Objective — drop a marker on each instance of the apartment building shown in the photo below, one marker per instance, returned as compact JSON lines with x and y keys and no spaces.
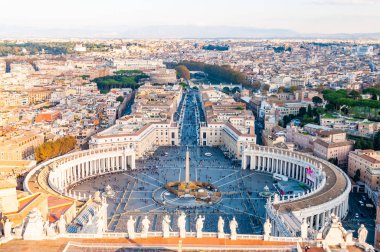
{"x":228,"y":123}
{"x":20,"y":145}
{"x":367,"y":162}
{"x":151,"y":124}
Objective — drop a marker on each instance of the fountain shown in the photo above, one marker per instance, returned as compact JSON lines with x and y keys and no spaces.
{"x":266,"y":193}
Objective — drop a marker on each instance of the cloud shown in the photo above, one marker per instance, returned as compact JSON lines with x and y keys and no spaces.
{"x":345,"y":2}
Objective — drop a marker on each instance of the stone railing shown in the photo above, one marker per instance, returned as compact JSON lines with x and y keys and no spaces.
{"x":176,"y":234}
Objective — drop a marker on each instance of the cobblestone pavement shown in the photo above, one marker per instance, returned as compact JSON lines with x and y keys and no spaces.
{"x":134,"y":189}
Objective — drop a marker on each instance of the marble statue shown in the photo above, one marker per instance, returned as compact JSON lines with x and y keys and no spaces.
{"x":18,"y":230}
{"x":362,"y":234}
{"x":8,"y":228}
{"x":89,"y":222}
{"x":34,"y":226}
{"x":166,"y":226}
{"x":334,"y":234}
{"x":46,"y":226}
{"x":220,"y":227}
{"x":304,"y":228}
{"x":61,"y":225}
{"x":50,"y":230}
{"x":109,"y":192}
{"x":199,"y":225}
{"x":145,"y":227}
{"x":334,"y":218}
{"x":181,"y":223}
{"x":97,"y":197}
{"x":267,"y":229}
{"x":131,"y":228}
{"x":233,"y":227}
{"x":276,"y":198}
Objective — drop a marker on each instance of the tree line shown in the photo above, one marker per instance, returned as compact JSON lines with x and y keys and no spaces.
{"x":55,"y":148}
{"x":222,"y":73}
{"x":352,"y":99}
{"x":122,"y":79}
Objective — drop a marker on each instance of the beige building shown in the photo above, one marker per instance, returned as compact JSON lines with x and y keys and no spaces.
{"x":38,"y":95}
{"x":228,"y":123}
{"x":368,"y":163}
{"x":151,"y":124}
{"x":135,"y":133}
{"x":368,"y":128}
{"x":20,"y":145}
{"x":13,"y":99}
{"x":333,"y":150}
{"x":325,"y":142}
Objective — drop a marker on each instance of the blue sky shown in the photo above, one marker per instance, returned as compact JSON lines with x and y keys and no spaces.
{"x":305,"y":16}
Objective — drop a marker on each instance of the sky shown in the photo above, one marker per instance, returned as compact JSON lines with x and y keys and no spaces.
{"x":303,"y":16}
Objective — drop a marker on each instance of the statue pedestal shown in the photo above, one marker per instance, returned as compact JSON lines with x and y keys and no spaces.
{"x":182,"y":234}
{"x":165,"y":234}
{"x":199,"y":234}
{"x":144,"y":235}
{"x":221,"y":235}
{"x":266,"y":237}
{"x":131,"y":236}
{"x":233,"y":237}
{"x":34,"y":231}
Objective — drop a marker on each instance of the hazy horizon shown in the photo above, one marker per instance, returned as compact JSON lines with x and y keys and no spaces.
{"x":240,"y":18}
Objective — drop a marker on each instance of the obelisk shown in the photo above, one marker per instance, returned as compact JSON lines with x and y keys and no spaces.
{"x":187,"y":172}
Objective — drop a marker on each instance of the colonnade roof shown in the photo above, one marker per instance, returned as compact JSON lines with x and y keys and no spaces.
{"x":336,"y":184}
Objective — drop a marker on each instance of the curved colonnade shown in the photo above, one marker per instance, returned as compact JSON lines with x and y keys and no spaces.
{"x":74,"y":167}
{"x":329,"y":188}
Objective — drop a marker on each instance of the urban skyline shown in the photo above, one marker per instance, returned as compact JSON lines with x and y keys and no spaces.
{"x":296,"y":18}
{"x":190,"y":126}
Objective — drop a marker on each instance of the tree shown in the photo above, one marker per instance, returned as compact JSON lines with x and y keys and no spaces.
{"x":317,"y":100}
{"x":286,"y":120}
{"x":376,"y":141}
{"x":265,"y":88}
{"x":120,"y":98}
{"x":281,"y":90}
{"x":333,"y":161}
{"x":226,"y":90}
{"x":329,"y":107}
{"x":234,"y":90}
{"x":302,"y":111}
{"x":309,"y":111}
{"x":354,"y":94}
{"x":256,"y":85}
{"x":293,"y":89}
{"x":357,"y":175}
{"x":183,"y":72}
{"x":359,"y":144}
{"x":56,"y":148}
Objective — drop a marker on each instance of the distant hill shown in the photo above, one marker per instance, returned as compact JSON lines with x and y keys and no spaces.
{"x":169,"y":31}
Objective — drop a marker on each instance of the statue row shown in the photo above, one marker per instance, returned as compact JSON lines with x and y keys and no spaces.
{"x":35,"y":228}
{"x":181,"y":223}
{"x":267,"y":227}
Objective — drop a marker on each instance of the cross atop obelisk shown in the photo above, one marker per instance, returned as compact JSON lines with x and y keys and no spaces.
{"x":187,"y":172}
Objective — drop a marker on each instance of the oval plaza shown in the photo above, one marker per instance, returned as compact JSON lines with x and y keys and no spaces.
{"x":230,"y":190}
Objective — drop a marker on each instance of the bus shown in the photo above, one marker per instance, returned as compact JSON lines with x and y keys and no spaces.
{"x":280,"y":177}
